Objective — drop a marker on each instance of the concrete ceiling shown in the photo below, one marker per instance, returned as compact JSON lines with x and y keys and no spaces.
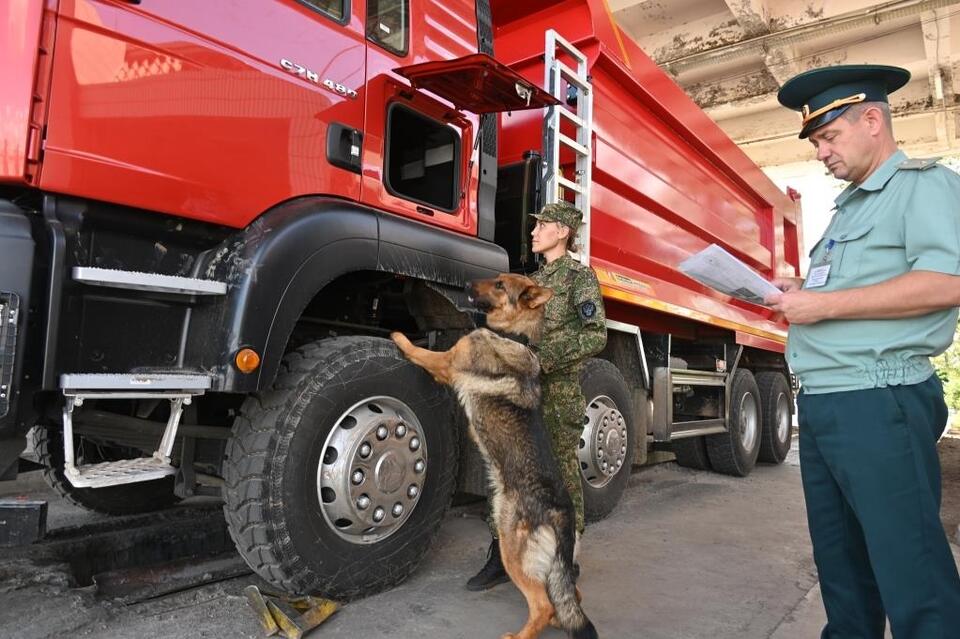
{"x":731,"y":56}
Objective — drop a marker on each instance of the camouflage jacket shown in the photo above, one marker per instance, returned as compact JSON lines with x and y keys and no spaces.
{"x":574,"y":322}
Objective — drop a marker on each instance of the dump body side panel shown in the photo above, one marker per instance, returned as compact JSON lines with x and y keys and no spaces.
{"x":667,"y":182}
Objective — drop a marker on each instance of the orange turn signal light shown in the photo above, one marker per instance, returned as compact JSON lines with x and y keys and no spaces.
{"x":247,"y":360}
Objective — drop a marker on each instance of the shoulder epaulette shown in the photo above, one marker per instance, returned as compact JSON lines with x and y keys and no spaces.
{"x":918,"y":163}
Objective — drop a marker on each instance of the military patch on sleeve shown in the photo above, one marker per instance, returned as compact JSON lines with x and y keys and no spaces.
{"x":588,"y":310}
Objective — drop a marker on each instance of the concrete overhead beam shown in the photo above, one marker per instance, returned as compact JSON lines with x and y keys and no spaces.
{"x":762,"y":45}
{"x":753,"y":15}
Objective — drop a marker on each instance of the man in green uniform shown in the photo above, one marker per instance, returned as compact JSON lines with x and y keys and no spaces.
{"x":574,"y":329}
{"x":878,"y":301}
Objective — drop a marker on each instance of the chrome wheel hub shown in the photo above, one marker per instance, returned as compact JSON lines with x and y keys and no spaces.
{"x":783,"y":417}
{"x":603,"y":443}
{"x":749,"y":421}
{"x":372,"y":470}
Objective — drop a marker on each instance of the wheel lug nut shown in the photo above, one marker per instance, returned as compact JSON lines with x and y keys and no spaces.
{"x":401,"y":430}
{"x":363,"y":502}
{"x":414,"y":443}
{"x":357,"y":477}
{"x":619,"y":420}
{"x":413,"y":491}
{"x":378,"y":514}
{"x":365,"y":450}
{"x":623,"y":450}
{"x":599,"y":453}
{"x":382,"y":432}
{"x":397,"y":509}
{"x":419,"y":466}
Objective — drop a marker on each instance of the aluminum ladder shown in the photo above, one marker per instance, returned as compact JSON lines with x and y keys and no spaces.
{"x":562,"y":82}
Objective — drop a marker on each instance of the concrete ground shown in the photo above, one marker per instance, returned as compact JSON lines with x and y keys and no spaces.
{"x":686,"y":555}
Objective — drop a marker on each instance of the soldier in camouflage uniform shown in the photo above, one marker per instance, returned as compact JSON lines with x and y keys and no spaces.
{"x":574,"y":329}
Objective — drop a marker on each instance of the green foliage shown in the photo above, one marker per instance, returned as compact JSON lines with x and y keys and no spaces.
{"x":948,"y":368}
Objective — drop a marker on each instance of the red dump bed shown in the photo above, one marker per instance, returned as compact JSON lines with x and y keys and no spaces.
{"x":667,"y":181}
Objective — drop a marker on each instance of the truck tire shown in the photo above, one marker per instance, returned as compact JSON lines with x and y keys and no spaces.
{"x":608,"y":439}
{"x":691,"y":452}
{"x":126,"y":499}
{"x":776,"y":401}
{"x":337,"y":479}
{"x":735,"y":451}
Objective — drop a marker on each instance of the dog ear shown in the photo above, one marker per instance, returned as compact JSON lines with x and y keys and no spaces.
{"x":534,"y":296}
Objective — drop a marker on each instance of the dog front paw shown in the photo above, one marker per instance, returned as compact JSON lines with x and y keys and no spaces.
{"x":400,"y":340}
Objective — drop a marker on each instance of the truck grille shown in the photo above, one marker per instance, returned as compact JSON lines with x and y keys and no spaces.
{"x":9,"y":306}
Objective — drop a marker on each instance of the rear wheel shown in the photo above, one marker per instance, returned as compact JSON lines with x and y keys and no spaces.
{"x":735,"y":451}
{"x":125,"y":499}
{"x":776,"y":401}
{"x":691,"y":452}
{"x":608,"y":440}
{"x":336,"y":481}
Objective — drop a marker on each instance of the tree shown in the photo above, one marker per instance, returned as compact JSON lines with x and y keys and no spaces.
{"x":948,"y":368}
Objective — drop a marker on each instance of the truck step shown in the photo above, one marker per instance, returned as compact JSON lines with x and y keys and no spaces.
{"x":134,"y":382}
{"x":125,"y":471}
{"x":153,"y":282}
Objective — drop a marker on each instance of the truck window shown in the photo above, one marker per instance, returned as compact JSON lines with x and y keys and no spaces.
{"x":422,"y":159}
{"x":336,"y":9}
{"x":387,"y":24}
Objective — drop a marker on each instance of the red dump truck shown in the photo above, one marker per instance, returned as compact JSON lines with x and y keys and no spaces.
{"x":212,"y":214}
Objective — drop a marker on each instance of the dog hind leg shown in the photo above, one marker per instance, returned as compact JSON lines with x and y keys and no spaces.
{"x":513,"y":545}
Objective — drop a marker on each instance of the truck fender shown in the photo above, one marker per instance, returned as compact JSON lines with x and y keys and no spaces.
{"x":279,"y":263}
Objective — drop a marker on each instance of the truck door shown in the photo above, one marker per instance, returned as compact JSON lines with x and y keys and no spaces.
{"x":216,"y":110}
{"x":420,"y":153}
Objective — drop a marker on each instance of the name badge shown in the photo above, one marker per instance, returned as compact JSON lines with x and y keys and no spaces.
{"x":818,"y":276}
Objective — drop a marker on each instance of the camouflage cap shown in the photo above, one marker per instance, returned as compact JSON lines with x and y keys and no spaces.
{"x":563,"y":212}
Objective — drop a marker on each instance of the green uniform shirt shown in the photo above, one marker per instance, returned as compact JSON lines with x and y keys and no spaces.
{"x":574,"y":326}
{"x":904,"y":217}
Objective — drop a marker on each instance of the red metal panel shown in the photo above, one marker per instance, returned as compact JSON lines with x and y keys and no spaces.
{"x":149,"y":112}
{"x":667,"y":180}
{"x":477,"y":83}
{"x":438,"y":31}
{"x":19,"y":52}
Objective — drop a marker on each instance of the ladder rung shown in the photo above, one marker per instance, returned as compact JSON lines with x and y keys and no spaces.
{"x":570,"y":115}
{"x":567,"y":184}
{"x":572,"y":76}
{"x":573,"y":144}
{"x":566,"y":46}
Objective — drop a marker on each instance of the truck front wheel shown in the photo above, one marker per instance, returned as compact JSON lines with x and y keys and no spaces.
{"x":608,"y":440}
{"x":337,"y":479}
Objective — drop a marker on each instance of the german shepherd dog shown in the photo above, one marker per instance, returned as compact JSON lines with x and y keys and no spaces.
{"x":497,"y":381}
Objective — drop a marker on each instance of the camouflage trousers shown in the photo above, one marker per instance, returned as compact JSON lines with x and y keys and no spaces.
{"x":563,"y":409}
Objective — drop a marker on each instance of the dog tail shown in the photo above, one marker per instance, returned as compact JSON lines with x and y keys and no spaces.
{"x":562,"y":591}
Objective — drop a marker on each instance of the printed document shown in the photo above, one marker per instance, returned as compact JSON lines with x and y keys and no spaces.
{"x":716,"y":268}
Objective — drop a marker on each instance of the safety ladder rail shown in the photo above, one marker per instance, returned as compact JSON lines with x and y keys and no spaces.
{"x":557,"y":73}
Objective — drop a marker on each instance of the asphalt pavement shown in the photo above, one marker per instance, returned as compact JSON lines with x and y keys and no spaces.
{"x":686,"y":555}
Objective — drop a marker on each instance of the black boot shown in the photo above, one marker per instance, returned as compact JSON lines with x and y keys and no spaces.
{"x":492,"y":574}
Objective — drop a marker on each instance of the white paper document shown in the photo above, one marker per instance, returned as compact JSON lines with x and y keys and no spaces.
{"x":716,"y":268}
